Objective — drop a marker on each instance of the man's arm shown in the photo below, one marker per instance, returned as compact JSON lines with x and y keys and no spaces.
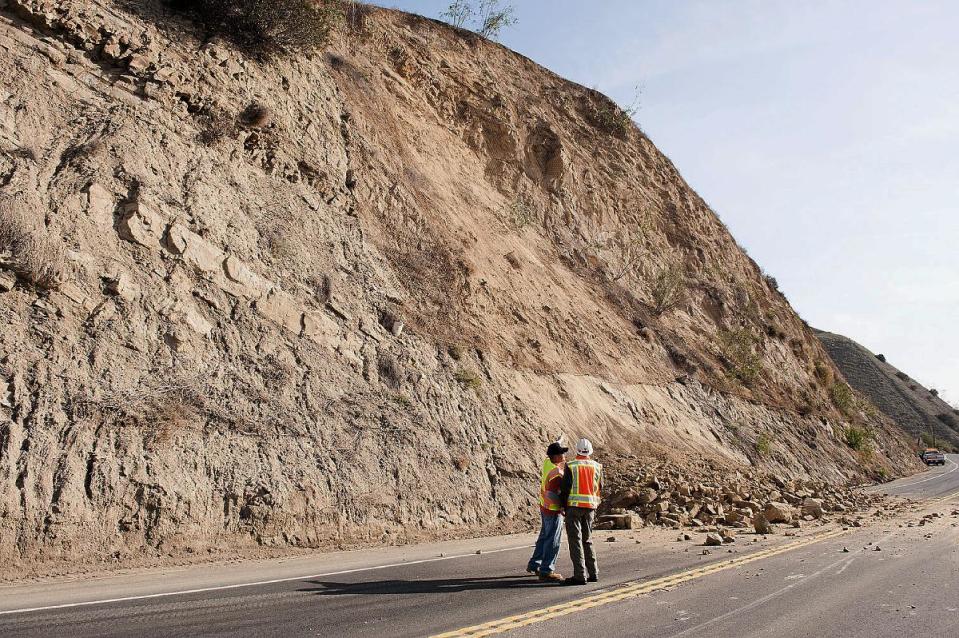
{"x":567,"y":487}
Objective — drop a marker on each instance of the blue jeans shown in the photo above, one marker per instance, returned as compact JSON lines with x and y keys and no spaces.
{"x":547,"y":545}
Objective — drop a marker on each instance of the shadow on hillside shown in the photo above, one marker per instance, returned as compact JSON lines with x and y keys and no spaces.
{"x":437,"y":586}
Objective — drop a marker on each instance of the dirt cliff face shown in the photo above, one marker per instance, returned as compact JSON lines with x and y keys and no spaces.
{"x":346,"y":297}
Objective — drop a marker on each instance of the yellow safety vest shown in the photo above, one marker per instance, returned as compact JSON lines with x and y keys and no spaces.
{"x":587,"y":477}
{"x":549,"y":500}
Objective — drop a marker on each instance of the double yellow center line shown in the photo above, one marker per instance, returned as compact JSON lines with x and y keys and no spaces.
{"x":629,"y":590}
{"x":639,"y":587}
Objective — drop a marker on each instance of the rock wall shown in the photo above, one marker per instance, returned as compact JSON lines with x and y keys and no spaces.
{"x":357,"y":316}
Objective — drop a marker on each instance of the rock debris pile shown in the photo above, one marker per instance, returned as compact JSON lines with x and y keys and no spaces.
{"x":718,"y":502}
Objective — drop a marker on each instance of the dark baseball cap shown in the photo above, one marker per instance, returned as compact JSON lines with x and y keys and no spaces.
{"x":556,"y":448}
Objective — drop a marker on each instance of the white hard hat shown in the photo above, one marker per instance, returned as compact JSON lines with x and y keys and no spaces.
{"x":584,"y":447}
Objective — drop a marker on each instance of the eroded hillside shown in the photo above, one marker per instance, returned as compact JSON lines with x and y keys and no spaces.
{"x":913,"y":407}
{"x":345,"y":297}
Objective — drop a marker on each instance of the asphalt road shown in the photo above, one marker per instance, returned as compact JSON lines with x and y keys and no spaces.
{"x":781,"y":586}
{"x":938,"y":481}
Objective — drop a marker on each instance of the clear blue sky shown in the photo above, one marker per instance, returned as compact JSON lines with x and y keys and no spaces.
{"x":824,"y":133}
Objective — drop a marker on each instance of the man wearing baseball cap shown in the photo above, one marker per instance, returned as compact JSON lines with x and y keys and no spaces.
{"x":543,"y":560}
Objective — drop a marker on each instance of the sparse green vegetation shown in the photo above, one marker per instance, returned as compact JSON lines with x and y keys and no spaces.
{"x":487,"y":17}
{"x":520,"y":213}
{"x":771,"y":282}
{"x":739,"y":348}
{"x":610,"y":117}
{"x":468,"y":378}
{"x":262,"y":28}
{"x":403,"y":401}
{"x":843,"y":398}
{"x":669,"y":287}
{"x":456,"y":351}
{"x":858,"y":438}
{"x":763,"y":445}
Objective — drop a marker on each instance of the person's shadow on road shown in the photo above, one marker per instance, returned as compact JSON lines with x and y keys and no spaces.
{"x":438,"y":586}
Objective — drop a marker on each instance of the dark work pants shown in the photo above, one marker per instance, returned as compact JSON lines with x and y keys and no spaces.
{"x":579,"y":535}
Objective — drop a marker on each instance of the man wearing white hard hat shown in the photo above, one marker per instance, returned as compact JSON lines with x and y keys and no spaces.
{"x":582,"y":483}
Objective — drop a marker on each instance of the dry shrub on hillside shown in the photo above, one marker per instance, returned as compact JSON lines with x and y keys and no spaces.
{"x":739,"y":348}
{"x":859,"y":439}
{"x":843,"y":398}
{"x":467,"y":378}
{"x":256,"y":115}
{"x":263,"y":27}
{"x":824,"y":373}
{"x":158,"y":409}
{"x":27,"y":248}
{"x":608,"y":116}
{"x":669,"y":287}
{"x":355,"y":16}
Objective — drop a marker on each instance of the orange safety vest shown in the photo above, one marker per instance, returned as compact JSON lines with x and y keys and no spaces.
{"x":549,"y":500}
{"x":587,"y":478}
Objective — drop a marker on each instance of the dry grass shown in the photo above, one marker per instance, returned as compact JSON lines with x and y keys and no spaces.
{"x":157,"y":410}
{"x":263,"y":28}
{"x":468,"y":378}
{"x":356,"y":17}
{"x":738,"y":347}
{"x":390,"y":371}
{"x":256,"y":115}
{"x":214,"y":127}
{"x":843,"y":398}
{"x":28,"y":249}
{"x":824,"y":374}
{"x":669,"y":288}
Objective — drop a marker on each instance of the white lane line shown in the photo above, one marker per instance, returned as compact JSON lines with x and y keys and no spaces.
{"x":765,"y":599}
{"x":846,"y":566}
{"x":931,"y":478}
{"x":200,"y":590}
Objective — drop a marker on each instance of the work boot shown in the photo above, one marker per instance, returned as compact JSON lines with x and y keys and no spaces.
{"x":551,"y":577}
{"x":572,"y":580}
{"x":592,"y":579}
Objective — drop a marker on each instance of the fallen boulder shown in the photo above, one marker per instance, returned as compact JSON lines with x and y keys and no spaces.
{"x":812,"y":507}
{"x":776,"y":512}
{"x":761,"y":524}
